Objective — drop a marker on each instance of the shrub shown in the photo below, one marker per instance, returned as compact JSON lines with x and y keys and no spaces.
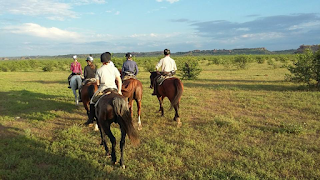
{"x":48,"y":68}
{"x":260,"y":59}
{"x":242,"y":61}
{"x":191,"y":69}
{"x":306,"y":69}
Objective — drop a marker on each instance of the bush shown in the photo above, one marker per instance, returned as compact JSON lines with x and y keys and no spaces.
{"x":260,"y":59}
{"x":48,"y":68}
{"x":191,"y":69}
{"x":306,"y":69}
{"x":242,"y":61}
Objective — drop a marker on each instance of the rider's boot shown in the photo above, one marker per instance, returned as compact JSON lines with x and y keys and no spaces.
{"x":154,"y":89}
{"x":91,"y":115}
{"x":80,"y":95}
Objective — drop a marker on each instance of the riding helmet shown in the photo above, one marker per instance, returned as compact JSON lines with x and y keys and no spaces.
{"x":128,"y":55}
{"x":105,"y":57}
{"x":89,"y":59}
{"x":166,"y":52}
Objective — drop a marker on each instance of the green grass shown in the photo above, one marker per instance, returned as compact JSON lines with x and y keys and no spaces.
{"x":237,"y":124}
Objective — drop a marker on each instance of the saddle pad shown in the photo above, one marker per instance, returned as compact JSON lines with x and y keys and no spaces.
{"x":162,"y":78}
{"x":104,"y":94}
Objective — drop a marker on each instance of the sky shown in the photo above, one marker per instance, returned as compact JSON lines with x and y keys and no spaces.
{"x":60,"y":27}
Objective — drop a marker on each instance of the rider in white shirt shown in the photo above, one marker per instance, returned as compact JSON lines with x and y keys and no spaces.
{"x":166,"y":66}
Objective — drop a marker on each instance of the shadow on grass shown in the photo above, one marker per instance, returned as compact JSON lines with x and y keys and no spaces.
{"x":26,"y":104}
{"x":255,"y":86}
{"x":48,"y":82}
{"x":24,"y":157}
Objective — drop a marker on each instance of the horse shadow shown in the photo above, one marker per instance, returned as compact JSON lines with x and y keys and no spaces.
{"x":24,"y":157}
{"x":252,"y":85}
{"x":25,"y":104}
{"x":48,"y":82}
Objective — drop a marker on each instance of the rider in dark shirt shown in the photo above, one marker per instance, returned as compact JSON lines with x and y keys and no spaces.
{"x":90,"y":69}
{"x":129,"y":67}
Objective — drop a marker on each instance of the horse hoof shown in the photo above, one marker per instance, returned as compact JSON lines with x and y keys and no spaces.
{"x":96,"y":127}
{"x":123,"y":166}
{"x":139,"y":127}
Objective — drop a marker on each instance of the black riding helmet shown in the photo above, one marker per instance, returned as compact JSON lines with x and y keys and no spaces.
{"x":105,"y":57}
{"x":166,"y":52}
{"x":128,"y":55}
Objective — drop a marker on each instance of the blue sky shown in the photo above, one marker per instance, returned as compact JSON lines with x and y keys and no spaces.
{"x":58,"y":27}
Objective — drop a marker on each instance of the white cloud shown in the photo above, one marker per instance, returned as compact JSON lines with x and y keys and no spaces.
{"x":84,"y":2}
{"x":36,"y":30}
{"x":307,"y":25}
{"x":117,"y":13}
{"x":47,"y":8}
{"x":262,"y":36}
{"x":170,"y":1}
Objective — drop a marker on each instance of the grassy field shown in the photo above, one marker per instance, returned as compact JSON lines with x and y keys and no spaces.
{"x":237,"y":124}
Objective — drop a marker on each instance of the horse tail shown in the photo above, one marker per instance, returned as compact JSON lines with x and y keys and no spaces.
{"x":179,"y":90}
{"x":124,"y":118}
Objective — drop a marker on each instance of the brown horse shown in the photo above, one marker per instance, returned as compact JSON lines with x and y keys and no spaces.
{"x":87,"y":92}
{"x":113,"y":108}
{"x":132,"y":89}
{"x":171,"y":88}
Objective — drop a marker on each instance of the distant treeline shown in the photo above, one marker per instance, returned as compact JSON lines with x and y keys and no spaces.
{"x":247,"y":51}
{"x":148,"y":63}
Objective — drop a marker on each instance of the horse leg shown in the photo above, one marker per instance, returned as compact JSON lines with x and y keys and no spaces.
{"x":113,"y":143}
{"x":75,"y":96}
{"x":103,"y":141}
{"x":139,"y":112}
{"x":122,"y":143}
{"x":130,"y":106}
{"x":176,"y":116}
{"x":161,"y":107}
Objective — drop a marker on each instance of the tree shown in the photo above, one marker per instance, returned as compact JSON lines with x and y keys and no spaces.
{"x":306,"y":68}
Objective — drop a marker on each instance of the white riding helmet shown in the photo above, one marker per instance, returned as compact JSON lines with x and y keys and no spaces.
{"x":89,"y":59}
{"x":74,"y":57}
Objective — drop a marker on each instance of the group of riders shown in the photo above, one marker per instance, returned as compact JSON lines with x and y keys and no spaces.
{"x":109,"y":79}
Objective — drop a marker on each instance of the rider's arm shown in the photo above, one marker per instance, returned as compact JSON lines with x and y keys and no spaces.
{"x":137,"y":70}
{"x":159,"y":64}
{"x":119,"y":84}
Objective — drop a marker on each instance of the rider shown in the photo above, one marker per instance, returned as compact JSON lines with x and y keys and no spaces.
{"x":167,"y":67}
{"x":129,"y":67}
{"x":76,"y":69}
{"x":89,"y":71}
{"x":106,"y":77}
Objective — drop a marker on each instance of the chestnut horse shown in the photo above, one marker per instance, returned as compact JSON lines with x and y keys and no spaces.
{"x":172,"y":88}
{"x":132,"y":89}
{"x":87,"y":92}
{"x":113,"y":108}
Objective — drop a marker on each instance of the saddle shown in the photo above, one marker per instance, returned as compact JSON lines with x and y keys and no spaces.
{"x":128,"y":75}
{"x":87,"y":81}
{"x":163,"y":77}
{"x":99,"y":95}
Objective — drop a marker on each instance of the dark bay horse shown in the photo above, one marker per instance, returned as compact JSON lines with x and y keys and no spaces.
{"x":132,"y":89}
{"x":113,"y":108}
{"x":87,"y":92}
{"x":171,"y":88}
